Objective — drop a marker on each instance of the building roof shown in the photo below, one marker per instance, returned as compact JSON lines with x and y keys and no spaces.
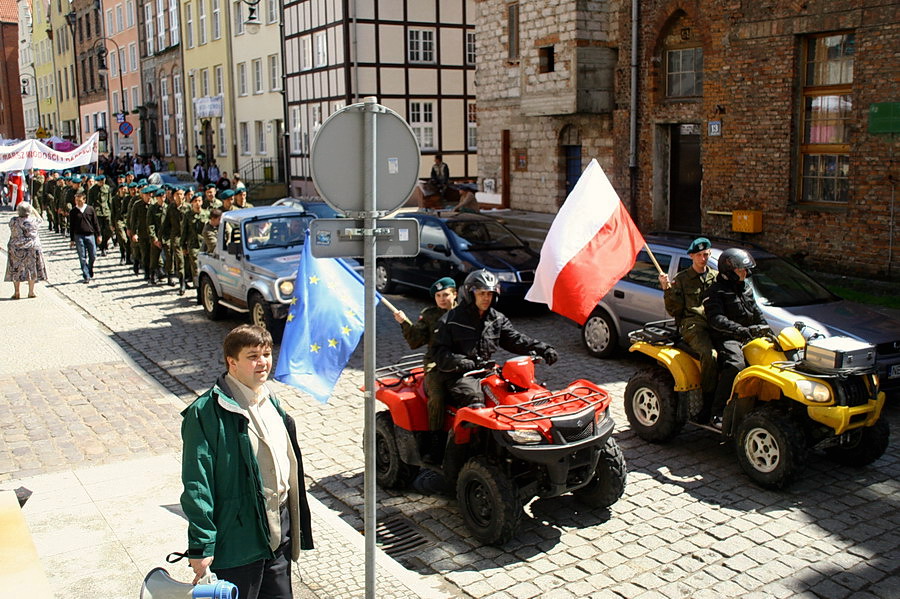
{"x":9,"y":12}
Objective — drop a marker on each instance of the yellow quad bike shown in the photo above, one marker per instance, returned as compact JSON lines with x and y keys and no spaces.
{"x":795,"y":395}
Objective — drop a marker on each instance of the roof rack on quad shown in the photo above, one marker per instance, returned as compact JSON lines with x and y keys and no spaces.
{"x":393,"y":374}
{"x":553,"y":404}
{"x":659,"y":332}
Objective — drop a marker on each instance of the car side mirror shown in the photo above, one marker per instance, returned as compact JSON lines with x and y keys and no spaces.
{"x":234,"y":248}
{"x":441,"y":248}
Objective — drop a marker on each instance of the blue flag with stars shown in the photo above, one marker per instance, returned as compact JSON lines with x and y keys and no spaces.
{"x":323,"y":326}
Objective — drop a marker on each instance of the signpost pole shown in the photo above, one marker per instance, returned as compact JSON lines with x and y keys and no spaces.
{"x":370,"y":205}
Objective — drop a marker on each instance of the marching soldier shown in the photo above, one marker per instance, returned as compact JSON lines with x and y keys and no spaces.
{"x":99,"y":197}
{"x":192,"y":236}
{"x":118,"y":214}
{"x":171,"y":235}
{"x":138,"y":226}
{"x":155,"y":217}
{"x":240,"y":199}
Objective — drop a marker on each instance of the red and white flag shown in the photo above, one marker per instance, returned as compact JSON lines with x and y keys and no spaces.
{"x":591,"y":244}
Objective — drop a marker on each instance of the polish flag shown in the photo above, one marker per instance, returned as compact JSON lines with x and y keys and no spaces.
{"x":591,"y":244}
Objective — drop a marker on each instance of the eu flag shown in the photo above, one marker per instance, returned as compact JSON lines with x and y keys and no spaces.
{"x":323,"y":326}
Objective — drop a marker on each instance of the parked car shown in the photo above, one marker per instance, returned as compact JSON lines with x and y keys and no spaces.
{"x":254,"y":265}
{"x":177,"y":179}
{"x":316,"y":208}
{"x":453,"y":245}
{"x":785,"y":293}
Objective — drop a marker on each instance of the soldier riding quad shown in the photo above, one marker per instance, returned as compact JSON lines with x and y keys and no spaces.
{"x":794,"y":395}
{"x":527,"y":441}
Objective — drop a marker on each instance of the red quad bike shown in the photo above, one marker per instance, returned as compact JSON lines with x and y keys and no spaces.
{"x":527,"y":441}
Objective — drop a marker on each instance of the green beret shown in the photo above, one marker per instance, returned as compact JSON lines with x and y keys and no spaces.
{"x":159,"y":192}
{"x":210,"y":186}
{"x":75,"y":179}
{"x":129,"y":173}
{"x":441,"y":284}
{"x":226,"y":194}
{"x":698,"y":245}
{"x":100,"y":177}
{"x":148,"y":189}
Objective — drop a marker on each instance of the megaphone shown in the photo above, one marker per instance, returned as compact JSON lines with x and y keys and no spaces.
{"x":159,"y":585}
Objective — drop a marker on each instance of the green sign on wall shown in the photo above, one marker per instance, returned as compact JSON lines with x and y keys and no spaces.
{"x":884,"y":117}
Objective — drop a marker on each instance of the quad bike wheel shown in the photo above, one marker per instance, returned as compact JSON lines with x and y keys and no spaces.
{"x":652,"y":406}
{"x":210,"y":300}
{"x":391,"y":472}
{"x":608,"y":482}
{"x":771,"y":448}
{"x":489,"y":502}
{"x":599,"y":335}
{"x":869,"y":444}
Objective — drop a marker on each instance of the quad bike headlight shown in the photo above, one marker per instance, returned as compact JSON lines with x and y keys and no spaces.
{"x":814,"y":391}
{"x":524,"y":437}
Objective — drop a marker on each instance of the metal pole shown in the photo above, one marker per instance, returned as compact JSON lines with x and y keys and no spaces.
{"x":369,"y":186}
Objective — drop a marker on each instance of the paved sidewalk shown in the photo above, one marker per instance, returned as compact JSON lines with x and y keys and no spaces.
{"x":96,"y":440}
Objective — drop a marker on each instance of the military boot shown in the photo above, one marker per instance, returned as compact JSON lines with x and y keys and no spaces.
{"x":169,"y":280}
{"x":181,"y":286}
{"x":151,"y":276}
{"x":137,"y":267}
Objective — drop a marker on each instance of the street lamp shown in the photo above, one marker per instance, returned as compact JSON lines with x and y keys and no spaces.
{"x":103,"y":70}
{"x":71,"y":19}
{"x":252,"y":24}
{"x":36,"y":96}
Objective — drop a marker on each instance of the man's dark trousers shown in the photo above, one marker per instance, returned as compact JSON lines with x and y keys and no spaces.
{"x":268,"y":578}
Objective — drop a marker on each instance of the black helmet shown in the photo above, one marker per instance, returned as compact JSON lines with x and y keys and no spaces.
{"x":734,"y":258}
{"x":483,"y":280}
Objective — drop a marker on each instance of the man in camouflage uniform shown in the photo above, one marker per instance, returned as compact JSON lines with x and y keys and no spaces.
{"x":210,"y":200}
{"x":240,"y":199}
{"x":119,"y":214}
{"x":192,"y":236}
{"x":139,"y":229}
{"x":684,"y":302}
{"x":421,"y":333}
{"x":99,"y":197}
{"x":36,"y":185}
{"x":226,"y":196}
{"x":171,"y":236}
{"x":156,"y":215}
{"x":59,"y":201}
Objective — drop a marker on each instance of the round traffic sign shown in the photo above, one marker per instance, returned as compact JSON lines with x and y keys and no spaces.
{"x":339,"y":154}
{"x":126,"y":128}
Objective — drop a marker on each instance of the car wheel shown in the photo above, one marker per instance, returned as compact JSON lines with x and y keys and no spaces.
{"x":261,"y":316}
{"x":391,"y":472}
{"x":383,"y":281}
{"x":599,"y":335}
{"x":771,"y":448}
{"x":489,"y":501}
{"x":608,"y":483}
{"x":210,"y":299}
{"x":867,"y":445}
{"x":651,"y":405}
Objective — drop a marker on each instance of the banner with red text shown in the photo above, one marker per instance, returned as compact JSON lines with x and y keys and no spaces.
{"x":31,"y":153}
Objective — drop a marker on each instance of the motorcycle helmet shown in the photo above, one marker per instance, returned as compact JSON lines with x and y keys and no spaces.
{"x":483,"y":280}
{"x":734,"y":258}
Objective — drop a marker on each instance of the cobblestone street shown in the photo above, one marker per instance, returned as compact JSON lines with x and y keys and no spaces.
{"x":690,"y":524}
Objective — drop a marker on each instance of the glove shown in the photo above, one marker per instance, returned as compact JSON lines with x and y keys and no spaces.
{"x":759,"y":330}
{"x":465,"y":365}
{"x":745,"y":334}
{"x":550,"y":356}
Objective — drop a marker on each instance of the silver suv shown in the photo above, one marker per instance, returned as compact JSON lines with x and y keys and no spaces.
{"x":253,"y":267}
{"x":785,"y":293}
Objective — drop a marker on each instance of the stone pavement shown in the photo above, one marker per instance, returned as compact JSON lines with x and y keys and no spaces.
{"x":689,"y":525}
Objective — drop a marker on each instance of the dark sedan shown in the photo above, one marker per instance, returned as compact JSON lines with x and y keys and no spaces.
{"x":455,"y":244}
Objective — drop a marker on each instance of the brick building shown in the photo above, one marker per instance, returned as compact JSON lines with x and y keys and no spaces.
{"x":740,"y":106}
{"x":12,"y":121}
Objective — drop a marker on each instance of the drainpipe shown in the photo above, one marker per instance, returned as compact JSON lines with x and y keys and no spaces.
{"x":632,"y":153}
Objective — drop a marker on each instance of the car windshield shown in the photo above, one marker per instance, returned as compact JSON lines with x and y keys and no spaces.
{"x":276,"y":232}
{"x":483,"y":235}
{"x":780,"y":284}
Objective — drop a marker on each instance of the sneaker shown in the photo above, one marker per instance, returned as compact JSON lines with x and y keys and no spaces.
{"x":86,"y":281}
{"x":716,"y":422}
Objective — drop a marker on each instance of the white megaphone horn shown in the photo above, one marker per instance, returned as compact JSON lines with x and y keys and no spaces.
{"x":159,"y":585}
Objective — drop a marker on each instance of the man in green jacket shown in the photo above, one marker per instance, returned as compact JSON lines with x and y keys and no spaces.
{"x":244,"y":492}
{"x":684,"y":302}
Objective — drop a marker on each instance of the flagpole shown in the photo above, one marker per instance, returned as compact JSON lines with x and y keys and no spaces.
{"x":653,"y":258}
{"x":392,"y":308}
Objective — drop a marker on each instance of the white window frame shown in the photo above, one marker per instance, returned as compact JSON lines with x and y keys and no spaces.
{"x":223,"y":139}
{"x":306,"y":57}
{"x":161,"y":25}
{"x":149,"y":24}
{"x":174,"y":30}
{"x":244,"y":132}
{"x":129,"y":13}
{"x":470,"y":47}
{"x":113,"y":65}
{"x":189,"y":25}
{"x":120,"y":17}
{"x":133,"y":56}
{"x":260,"y":134}
{"x":242,"y":78}
{"x":421,"y":121}
{"x":204,"y":83}
{"x":258,"y":85}
{"x":296,"y":138}
{"x":220,"y":80}
{"x":164,"y":110}
{"x":110,"y":22}
{"x":135,"y":96}
{"x":201,"y":22}
{"x":216,"y":19}
{"x":237,"y":10}
{"x":420,"y":46}
{"x":321,"y":49}
{"x":472,"y":126}
{"x":271,"y":11}
{"x":274,"y":72}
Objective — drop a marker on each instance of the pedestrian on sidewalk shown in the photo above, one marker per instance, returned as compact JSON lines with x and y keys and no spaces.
{"x":25,"y":258}
{"x":244,"y":492}
{"x":84,"y":228}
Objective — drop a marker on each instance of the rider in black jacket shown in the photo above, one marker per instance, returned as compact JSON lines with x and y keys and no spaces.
{"x":469,"y":334}
{"x":734,"y":318}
